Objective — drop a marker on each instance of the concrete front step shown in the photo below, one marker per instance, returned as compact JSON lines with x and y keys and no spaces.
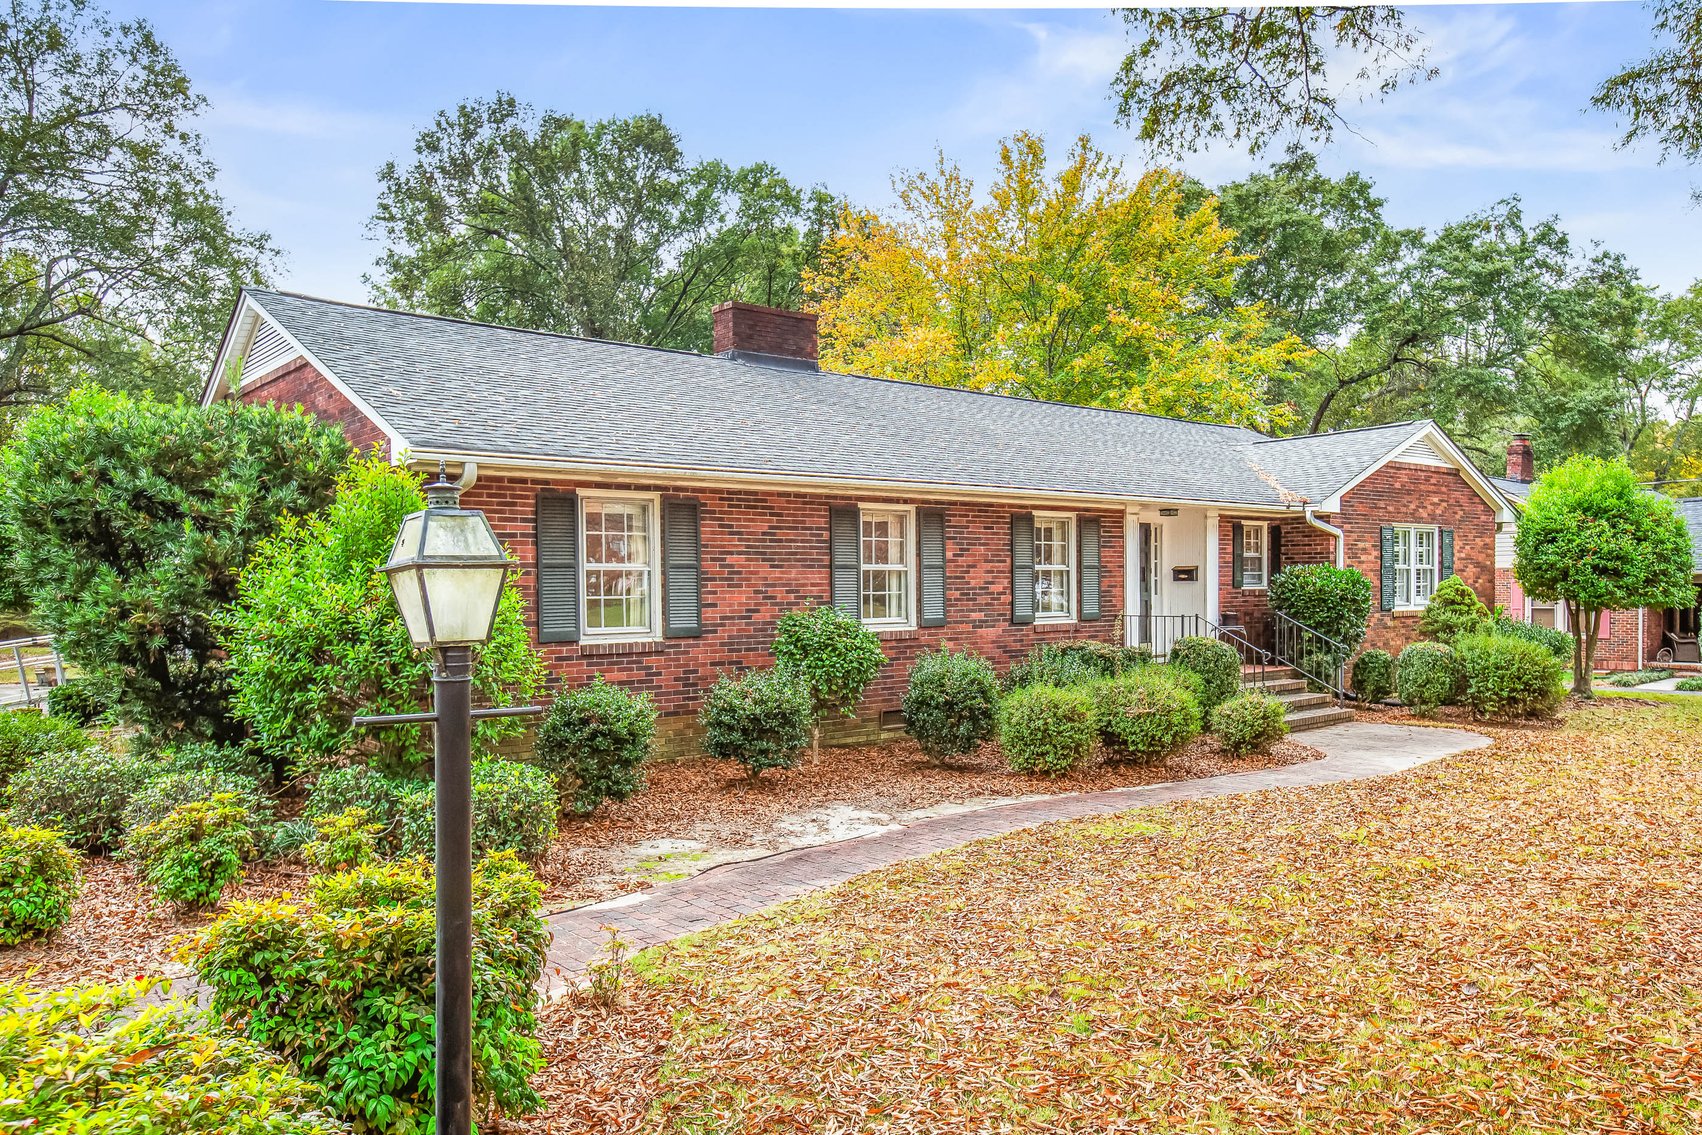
{"x":1302,"y":720}
{"x":1277,"y":687}
{"x":1304,"y":699}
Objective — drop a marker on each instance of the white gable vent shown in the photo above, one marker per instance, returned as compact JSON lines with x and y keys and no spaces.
{"x":266,"y":351}
{"x":1422,"y":451}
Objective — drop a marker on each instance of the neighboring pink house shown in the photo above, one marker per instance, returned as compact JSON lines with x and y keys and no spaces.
{"x":1630,"y":640}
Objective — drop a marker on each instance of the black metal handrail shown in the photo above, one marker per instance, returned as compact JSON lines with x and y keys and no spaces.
{"x":1161,"y":632}
{"x":1320,"y":659}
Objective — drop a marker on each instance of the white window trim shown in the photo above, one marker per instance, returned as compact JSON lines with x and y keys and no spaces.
{"x":1070,"y":557}
{"x":1264,"y":556}
{"x":1436,"y":566}
{"x":652,"y":633}
{"x":912,"y":567}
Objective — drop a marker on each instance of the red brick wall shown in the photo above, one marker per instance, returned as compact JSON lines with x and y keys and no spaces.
{"x":1400,"y":493}
{"x":765,"y":553}
{"x":298,"y":383}
{"x":1301,"y":544}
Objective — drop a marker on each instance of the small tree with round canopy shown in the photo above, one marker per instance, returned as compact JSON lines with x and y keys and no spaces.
{"x":1593,"y":539}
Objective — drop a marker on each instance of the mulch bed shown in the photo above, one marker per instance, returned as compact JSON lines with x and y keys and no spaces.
{"x":715,"y":803}
{"x":118,"y":931}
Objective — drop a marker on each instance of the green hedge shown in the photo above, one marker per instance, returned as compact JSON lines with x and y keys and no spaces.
{"x":342,"y":987}
{"x":1072,"y":663}
{"x":1147,"y":713}
{"x":196,"y":851}
{"x":1332,"y":601}
{"x":1217,"y":664}
{"x":595,"y":741}
{"x":1374,"y":676}
{"x":761,"y":718}
{"x":1558,"y":643}
{"x":1453,"y":611}
{"x":26,"y":736}
{"x":514,"y":810}
{"x":1249,"y":723}
{"x":1509,"y":677}
{"x":82,"y":794}
{"x":1044,"y":729}
{"x":951,"y":704}
{"x":1428,"y":675}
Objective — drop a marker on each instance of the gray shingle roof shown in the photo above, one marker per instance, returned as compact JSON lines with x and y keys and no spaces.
{"x":1691,"y":509}
{"x":1513,"y":490}
{"x":455,"y":387}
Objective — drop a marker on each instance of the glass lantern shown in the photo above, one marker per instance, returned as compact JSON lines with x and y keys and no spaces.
{"x":447,"y":569}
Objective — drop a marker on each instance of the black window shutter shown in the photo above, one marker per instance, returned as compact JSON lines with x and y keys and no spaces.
{"x":682,"y":549}
{"x":1388,"y":603}
{"x":1445,"y":557}
{"x":1273,"y":552}
{"x":931,"y":541}
{"x":1022,"y":567}
{"x":845,"y":555}
{"x":1237,"y":545}
{"x":558,"y":567}
{"x":1089,"y":566}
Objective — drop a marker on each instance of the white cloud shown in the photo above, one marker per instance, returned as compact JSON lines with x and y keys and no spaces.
{"x":1064,"y":80}
{"x":231,"y":109}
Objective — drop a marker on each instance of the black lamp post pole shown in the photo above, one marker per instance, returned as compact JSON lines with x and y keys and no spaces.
{"x":452,"y":691}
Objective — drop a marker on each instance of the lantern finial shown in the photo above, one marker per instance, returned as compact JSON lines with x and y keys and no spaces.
{"x":443,"y":493}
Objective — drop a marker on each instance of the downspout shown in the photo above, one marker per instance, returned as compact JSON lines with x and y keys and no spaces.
{"x":469,"y":475}
{"x":1311,"y":517}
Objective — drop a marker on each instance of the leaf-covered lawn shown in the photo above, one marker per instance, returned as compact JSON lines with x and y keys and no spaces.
{"x":1506,"y":941}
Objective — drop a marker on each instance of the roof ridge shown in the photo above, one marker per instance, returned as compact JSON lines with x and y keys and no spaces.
{"x":1350,"y":430}
{"x":792,"y":371}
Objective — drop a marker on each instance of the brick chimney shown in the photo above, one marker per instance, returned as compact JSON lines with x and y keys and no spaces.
{"x":1521,"y":461}
{"x":766,"y":335}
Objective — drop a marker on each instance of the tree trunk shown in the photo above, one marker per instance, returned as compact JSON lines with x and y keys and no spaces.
{"x":815,"y":742}
{"x":1587,"y":627}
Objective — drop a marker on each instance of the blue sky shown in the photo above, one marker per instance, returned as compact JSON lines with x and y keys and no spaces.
{"x":309,"y":98}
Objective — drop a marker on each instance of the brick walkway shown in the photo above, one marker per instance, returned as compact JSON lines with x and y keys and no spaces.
{"x":1352,"y":751}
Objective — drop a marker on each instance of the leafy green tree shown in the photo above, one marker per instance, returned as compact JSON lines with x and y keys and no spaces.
{"x":1592,"y":538}
{"x":118,"y":260}
{"x":132,"y":518}
{"x":314,"y":636}
{"x":601,"y":229}
{"x":1251,"y":75}
{"x":1660,"y":98}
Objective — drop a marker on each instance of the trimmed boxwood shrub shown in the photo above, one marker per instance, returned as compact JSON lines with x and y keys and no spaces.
{"x":1452,"y":610}
{"x":1558,"y":643}
{"x":26,"y":735}
{"x":1509,"y":677}
{"x":1374,"y":676}
{"x":835,"y":657}
{"x":38,"y":883}
{"x":1044,"y":729}
{"x":342,"y":987}
{"x":148,"y":1071}
{"x":156,"y":800}
{"x":514,"y":810}
{"x":762,"y":718}
{"x":196,"y":851}
{"x":1146,"y":713}
{"x":1249,"y":723}
{"x":1428,"y":675}
{"x":1217,"y":664}
{"x":82,"y":794}
{"x":595,"y":741}
{"x":80,"y":701}
{"x":951,"y":704}
{"x":1332,"y":601}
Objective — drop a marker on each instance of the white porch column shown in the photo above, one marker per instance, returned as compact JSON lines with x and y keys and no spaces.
{"x":1213,"y":614}
{"x":1132,"y":567}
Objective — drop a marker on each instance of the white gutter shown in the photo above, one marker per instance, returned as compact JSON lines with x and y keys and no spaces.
{"x":1309,"y":514}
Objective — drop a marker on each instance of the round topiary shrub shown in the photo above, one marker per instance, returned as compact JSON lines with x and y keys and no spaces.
{"x":834,"y":656}
{"x":26,"y":736}
{"x":1147,"y":713}
{"x":1374,"y":676}
{"x":1332,"y":601}
{"x":196,"y":851}
{"x":1509,"y":677}
{"x":1453,"y":610}
{"x":1047,"y":730}
{"x":1249,"y":723}
{"x":82,"y":794}
{"x":762,"y":718}
{"x":1428,"y":675}
{"x":514,"y":809}
{"x":595,"y":741}
{"x":38,"y":883}
{"x":1217,"y":664}
{"x":158,"y":798}
{"x":951,"y":704}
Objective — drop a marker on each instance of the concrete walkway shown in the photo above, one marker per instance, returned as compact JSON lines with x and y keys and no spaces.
{"x":1352,"y":751}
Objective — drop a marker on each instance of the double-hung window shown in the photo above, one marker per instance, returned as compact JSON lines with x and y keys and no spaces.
{"x":620,"y":573}
{"x":1253,"y":555}
{"x":1054,"y":568}
{"x":885,"y":582}
{"x":1415,"y":565}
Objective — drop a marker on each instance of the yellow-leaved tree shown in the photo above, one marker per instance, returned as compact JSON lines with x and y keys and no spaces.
{"x":1077,"y":286}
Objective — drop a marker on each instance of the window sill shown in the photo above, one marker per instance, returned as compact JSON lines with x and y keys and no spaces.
{"x":598,"y":648}
{"x":1406,"y":612}
{"x":1055,"y":622}
{"x":893,"y":634}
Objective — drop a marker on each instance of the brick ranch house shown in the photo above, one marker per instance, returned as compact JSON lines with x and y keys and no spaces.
{"x":667,"y":507}
{"x":1630,"y":640}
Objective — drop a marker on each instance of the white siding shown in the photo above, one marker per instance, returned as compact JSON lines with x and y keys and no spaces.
{"x":1504,"y":546}
{"x":1423,"y":452}
{"x":267,"y":350}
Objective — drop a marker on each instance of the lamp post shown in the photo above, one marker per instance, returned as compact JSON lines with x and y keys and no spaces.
{"x":447,"y":570}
